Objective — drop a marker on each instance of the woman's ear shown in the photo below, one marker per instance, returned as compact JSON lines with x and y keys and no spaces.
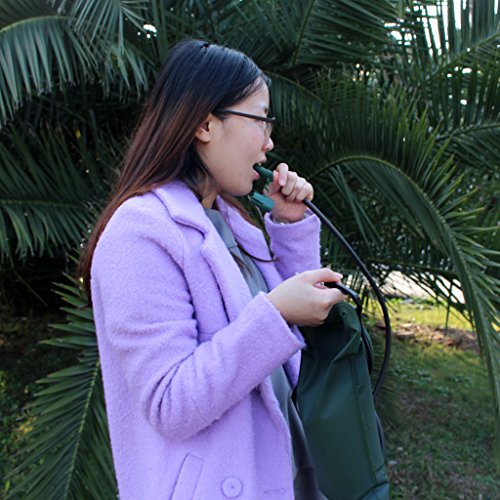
{"x":205,"y":129}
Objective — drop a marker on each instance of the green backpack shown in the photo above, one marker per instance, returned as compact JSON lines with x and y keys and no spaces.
{"x":334,"y":397}
{"x":335,"y":403}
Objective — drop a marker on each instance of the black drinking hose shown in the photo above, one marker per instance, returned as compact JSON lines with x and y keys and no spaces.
{"x":261,"y":201}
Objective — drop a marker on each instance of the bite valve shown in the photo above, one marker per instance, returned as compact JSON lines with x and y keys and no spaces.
{"x":262,"y":201}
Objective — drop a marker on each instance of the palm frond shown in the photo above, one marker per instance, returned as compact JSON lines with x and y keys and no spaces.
{"x":454,"y":66}
{"x":13,"y":11}
{"x":126,"y":71}
{"x":37,"y":54}
{"x":474,"y":30}
{"x":433,"y":37}
{"x":41,"y":53}
{"x":45,"y":196}
{"x":105,"y":19}
{"x":341,"y":30}
{"x":278,"y":33}
{"x":67,"y":453}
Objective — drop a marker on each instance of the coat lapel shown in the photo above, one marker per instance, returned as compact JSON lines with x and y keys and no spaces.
{"x":185,"y":209}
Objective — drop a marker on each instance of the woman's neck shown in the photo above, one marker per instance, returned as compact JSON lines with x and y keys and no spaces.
{"x":210,"y":201}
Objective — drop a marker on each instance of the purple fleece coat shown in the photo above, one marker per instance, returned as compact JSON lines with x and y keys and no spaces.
{"x":186,"y":352}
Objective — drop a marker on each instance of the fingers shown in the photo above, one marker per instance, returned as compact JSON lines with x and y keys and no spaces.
{"x":318,"y":276}
{"x":282,"y":174}
{"x":338,"y":296}
{"x":291,"y":183}
{"x":329,"y":298}
{"x":291,"y":186}
{"x":307,"y":192}
{"x":302,"y":300}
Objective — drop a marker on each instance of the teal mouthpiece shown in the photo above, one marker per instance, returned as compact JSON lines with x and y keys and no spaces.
{"x":264,"y":172}
{"x":258,"y":199}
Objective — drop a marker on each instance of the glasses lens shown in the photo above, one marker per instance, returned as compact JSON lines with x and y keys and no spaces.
{"x":269,"y":129}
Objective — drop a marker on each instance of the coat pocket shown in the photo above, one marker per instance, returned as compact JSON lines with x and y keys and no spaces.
{"x":188,"y":478}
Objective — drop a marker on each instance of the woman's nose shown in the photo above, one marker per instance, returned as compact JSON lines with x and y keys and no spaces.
{"x":269,"y":145}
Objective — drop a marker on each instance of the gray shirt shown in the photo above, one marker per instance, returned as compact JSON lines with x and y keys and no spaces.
{"x":305,"y":484}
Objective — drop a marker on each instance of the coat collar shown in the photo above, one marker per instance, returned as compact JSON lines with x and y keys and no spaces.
{"x":185,"y":208}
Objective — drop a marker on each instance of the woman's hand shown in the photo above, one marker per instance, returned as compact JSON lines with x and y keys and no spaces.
{"x":303,"y":300}
{"x":288,"y":190}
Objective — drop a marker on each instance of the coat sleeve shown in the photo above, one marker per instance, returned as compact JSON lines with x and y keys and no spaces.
{"x":145,"y":317}
{"x":296,"y":245}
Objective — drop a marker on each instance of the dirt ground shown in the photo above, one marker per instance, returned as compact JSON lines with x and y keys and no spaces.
{"x":454,"y":337}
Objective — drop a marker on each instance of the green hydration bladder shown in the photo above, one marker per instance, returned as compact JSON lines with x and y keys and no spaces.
{"x":335,"y":403}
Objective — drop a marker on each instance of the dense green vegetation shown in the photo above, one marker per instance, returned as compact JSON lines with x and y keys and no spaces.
{"x":23,"y":360}
{"x":391,"y":109}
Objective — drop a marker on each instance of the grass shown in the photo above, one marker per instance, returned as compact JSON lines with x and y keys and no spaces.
{"x":423,"y":312}
{"x":439,"y":444}
{"x":442,"y":445}
{"x":439,"y":437}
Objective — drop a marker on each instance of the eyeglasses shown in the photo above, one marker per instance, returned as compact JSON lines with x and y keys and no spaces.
{"x":268,"y":120}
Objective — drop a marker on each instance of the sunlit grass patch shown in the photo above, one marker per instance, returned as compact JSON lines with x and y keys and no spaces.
{"x":422,"y":312}
{"x":441,"y":445}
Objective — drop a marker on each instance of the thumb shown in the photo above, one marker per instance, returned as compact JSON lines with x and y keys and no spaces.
{"x":322,"y":275}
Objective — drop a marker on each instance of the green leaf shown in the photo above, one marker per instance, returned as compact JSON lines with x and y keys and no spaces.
{"x":68,"y":453}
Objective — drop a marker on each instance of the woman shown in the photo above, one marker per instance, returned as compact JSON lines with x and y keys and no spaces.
{"x":196,"y":321}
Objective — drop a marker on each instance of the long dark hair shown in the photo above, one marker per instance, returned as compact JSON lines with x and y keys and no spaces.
{"x":196,"y":79}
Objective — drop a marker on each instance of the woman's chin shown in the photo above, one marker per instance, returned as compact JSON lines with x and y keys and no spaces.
{"x":239,"y":190}
{"x":245,"y":191}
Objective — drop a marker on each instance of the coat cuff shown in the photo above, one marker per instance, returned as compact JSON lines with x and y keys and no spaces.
{"x":279,"y":320}
{"x":296,"y":245}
